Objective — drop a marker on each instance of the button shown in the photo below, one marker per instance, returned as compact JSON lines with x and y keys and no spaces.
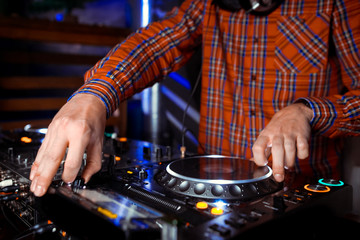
{"x":202,"y":205}
{"x":331,"y":182}
{"x":158,"y":153}
{"x":235,"y":190}
{"x":26,"y":139}
{"x":223,"y":231}
{"x":199,"y":188}
{"x":184,"y":186}
{"x":171,"y":183}
{"x":216,"y":211}
{"x":217,"y":190}
{"x":256,"y":39}
{"x":253,"y":77}
{"x":235,"y":222}
{"x":317,"y":188}
{"x":252,"y":113}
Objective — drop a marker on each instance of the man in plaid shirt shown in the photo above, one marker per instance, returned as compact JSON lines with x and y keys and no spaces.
{"x":287,"y":81}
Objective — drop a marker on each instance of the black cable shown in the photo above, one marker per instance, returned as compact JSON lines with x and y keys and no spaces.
{"x":38,"y":228}
{"x":183,"y":130}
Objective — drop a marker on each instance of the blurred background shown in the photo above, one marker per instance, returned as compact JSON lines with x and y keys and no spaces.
{"x":46,"y":46}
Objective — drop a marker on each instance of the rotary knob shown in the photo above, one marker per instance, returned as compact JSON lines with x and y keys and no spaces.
{"x":318,"y":188}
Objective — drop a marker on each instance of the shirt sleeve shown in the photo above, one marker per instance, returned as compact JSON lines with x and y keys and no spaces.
{"x":339,"y":115}
{"x":146,"y":56}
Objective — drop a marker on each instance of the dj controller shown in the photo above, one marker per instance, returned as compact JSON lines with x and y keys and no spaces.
{"x":149,"y":191}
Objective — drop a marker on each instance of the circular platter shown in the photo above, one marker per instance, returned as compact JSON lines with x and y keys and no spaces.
{"x":217,"y":177}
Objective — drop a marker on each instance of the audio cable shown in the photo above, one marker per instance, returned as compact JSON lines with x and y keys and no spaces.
{"x":184,"y":129}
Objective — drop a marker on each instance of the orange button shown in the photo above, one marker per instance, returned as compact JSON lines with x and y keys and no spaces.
{"x":217,"y":211}
{"x":117,"y":158}
{"x":26,"y":140}
{"x":123,"y":139}
{"x":202,"y":205}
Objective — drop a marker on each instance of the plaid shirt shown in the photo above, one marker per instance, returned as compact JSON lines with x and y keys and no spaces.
{"x":252,"y":67}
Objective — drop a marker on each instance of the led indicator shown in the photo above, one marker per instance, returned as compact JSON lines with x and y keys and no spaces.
{"x":217,"y":211}
{"x":107,"y":213}
{"x":331,"y":182}
{"x":202,"y":205}
{"x":117,"y":158}
{"x":26,"y":140}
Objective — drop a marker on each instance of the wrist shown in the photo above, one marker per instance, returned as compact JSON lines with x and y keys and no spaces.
{"x":306,"y":109}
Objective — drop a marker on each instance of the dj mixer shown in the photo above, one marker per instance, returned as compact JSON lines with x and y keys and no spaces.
{"x":149,"y":191}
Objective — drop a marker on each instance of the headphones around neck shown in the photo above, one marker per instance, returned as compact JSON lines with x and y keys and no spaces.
{"x":255,"y":7}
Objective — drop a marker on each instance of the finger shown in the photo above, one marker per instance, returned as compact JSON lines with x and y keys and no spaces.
{"x":258,"y":150}
{"x":93,"y":161}
{"x":74,"y":159}
{"x":302,"y":146}
{"x":46,"y":166}
{"x":290,"y":151}
{"x":278,"y":154}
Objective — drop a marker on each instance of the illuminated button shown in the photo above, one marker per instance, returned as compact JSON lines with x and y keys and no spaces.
{"x":107,"y":213}
{"x":217,"y":211}
{"x":331,"y":182}
{"x":123,"y":139}
{"x":26,"y":140}
{"x":129,"y":172}
{"x":202,"y":205}
{"x":117,"y":158}
{"x":317,"y":188}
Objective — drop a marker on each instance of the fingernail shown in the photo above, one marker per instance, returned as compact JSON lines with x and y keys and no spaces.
{"x":39,"y":190}
{"x":32,"y":173}
{"x":279,"y":177}
{"x":266,"y":163}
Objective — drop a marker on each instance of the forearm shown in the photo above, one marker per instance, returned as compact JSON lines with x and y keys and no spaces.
{"x":146,"y":57}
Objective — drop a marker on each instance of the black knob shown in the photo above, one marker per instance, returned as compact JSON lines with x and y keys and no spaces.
{"x":146,"y":151}
{"x":168,"y":152}
{"x":279,"y":203}
{"x":158,"y":153}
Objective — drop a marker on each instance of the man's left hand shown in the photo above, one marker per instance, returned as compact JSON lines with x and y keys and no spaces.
{"x":287,"y":134}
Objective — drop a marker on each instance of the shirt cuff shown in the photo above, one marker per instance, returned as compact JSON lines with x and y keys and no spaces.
{"x":324,"y":114}
{"x":103,"y":90}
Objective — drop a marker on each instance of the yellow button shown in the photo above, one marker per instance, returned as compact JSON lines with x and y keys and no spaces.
{"x":202,"y":205}
{"x":217,"y":211}
{"x":107,"y":212}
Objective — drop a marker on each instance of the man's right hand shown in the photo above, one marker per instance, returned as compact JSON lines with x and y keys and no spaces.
{"x":79,"y":125}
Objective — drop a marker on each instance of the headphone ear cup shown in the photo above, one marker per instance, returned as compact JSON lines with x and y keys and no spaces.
{"x":264,"y":7}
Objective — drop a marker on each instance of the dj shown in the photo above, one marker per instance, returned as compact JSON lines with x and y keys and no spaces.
{"x":279,"y":75}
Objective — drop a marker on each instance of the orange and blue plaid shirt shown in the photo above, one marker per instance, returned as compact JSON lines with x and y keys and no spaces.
{"x":252,"y":67}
